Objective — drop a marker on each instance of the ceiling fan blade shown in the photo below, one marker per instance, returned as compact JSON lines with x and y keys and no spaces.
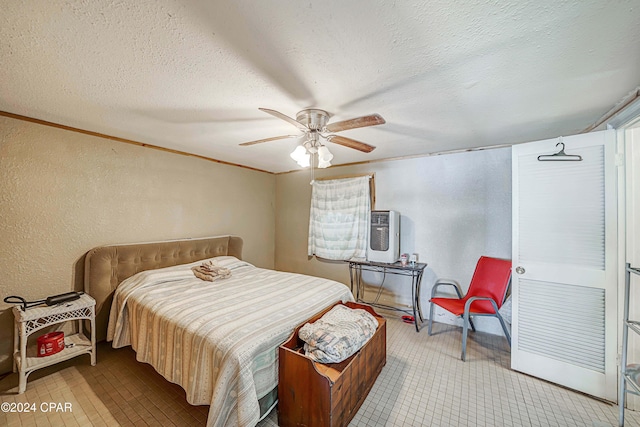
{"x":359,"y":122}
{"x":258,"y":141}
{"x":285,"y":118}
{"x":351,"y":143}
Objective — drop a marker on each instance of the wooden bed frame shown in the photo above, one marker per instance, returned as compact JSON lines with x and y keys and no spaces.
{"x":105,"y":267}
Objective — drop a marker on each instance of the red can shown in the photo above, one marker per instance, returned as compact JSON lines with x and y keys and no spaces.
{"x":50,"y":343}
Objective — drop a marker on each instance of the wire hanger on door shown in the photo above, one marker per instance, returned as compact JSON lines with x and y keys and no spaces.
{"x":560,"y":156}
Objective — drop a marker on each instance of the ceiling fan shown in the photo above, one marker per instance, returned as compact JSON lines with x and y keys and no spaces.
{"x":314,"y":124}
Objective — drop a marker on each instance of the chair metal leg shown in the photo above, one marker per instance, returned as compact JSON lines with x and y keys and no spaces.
{"x":473,"y":327}
{"x":465,"y":331}
{"x":504,"y":328}
{"x":430,"y":317}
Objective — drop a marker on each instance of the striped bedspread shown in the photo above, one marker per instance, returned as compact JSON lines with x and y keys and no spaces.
{"x":218,"y":340}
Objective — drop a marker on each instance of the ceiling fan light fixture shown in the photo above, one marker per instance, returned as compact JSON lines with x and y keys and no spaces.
{"x":324,"y":154}
{"x":301,"y":156}
{"x":324,"y":157}
{"x":298,"y":153}
{"x":322,"y":164}
{"x":304,"y":161}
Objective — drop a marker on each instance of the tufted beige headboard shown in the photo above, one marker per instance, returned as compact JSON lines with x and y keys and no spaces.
{"x":105,"y":267}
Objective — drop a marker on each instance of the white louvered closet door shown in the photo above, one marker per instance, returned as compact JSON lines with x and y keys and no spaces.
{"x":564,"y":264}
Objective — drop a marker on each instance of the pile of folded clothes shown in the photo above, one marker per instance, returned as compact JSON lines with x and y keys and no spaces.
{"x":210,"y":271}
{"x":338,"y":334}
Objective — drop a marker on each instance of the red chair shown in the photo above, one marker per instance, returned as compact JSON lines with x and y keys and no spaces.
{"x":486,"y":294}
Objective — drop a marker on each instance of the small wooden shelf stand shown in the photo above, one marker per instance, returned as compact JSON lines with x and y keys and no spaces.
{"x":31,"y":320}
{"x":628,"y":383}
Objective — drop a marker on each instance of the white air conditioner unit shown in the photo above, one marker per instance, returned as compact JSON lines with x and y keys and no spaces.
{"x":384,"y":237}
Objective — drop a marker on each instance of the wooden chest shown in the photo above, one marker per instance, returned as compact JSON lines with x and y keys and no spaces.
{"x":315,"y":394}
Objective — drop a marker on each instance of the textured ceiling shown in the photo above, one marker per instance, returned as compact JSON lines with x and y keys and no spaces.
{"x":190,"y":75}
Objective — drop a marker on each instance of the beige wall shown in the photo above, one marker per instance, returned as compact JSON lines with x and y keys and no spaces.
{"x":63,"y":193}
{"x":453,"y":209}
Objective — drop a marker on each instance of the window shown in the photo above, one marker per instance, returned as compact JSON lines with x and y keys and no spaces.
{"x":339,"y":217}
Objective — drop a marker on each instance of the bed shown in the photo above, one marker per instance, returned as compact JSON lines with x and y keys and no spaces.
{"x":218,"y":340}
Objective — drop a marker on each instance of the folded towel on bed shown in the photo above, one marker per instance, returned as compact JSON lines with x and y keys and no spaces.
{"x":210,"y":271}
{"x":338,"y":334}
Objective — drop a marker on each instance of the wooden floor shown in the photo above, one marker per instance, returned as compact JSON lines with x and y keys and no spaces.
{"x":423,"y":384}
{"x":117,"y":391}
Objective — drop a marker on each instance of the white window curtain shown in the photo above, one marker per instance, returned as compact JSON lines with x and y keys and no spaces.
{"x":339,"y":218}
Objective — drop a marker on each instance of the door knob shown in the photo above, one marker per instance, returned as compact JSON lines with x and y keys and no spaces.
{"x":520,"y":270}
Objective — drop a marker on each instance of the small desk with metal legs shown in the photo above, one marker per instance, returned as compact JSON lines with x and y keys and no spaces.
{"x":414,"y":271}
